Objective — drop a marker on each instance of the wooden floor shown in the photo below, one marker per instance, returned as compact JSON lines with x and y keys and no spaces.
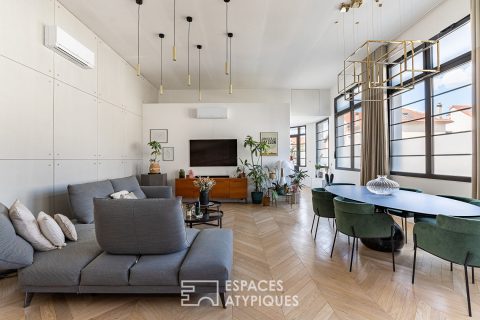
{"x":275,"y":243}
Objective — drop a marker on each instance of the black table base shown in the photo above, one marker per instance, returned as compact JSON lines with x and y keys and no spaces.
{"x":385,"y":244}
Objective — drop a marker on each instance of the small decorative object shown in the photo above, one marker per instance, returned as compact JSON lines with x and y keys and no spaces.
{"x":266,"y":200}
{"x":168,"y":154}
{"x":271,"y":140}
{"x":382,"y":186}
{"x":181,"y":174}
{"x":191,"y":175}
{"x":198,"y":212}
{"x":205,"y":185}
{"x":156,"y":152}
{"x":160,"y":135}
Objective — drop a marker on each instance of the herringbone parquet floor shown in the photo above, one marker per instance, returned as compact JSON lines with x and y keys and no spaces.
{"x":275,"y":243}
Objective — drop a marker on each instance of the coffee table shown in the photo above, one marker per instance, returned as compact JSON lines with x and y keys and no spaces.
{"x":211,"y":213}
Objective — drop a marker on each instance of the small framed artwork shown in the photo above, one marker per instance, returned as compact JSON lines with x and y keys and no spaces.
{"x":272,"y":141}
{"x":168,"y":153}
{"x":160,"y":135}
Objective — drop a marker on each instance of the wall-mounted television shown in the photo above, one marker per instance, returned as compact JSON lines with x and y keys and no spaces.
{"x":213,"y":153}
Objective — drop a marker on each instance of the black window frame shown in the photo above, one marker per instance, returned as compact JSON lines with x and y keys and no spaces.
{"x":317,"y":125}
{"x":353,"y":105}
{"x":429,"y":131}
{"x":298,"y":151}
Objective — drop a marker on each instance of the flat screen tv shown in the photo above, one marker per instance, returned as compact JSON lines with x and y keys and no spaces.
{"x":213,"y":153}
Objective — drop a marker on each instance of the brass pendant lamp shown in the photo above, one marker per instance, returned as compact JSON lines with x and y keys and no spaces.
{"x":162,"y":36}
{"x":230,"y":36}
{"x":189,"y":80}
{"x":199,"y":47}
{"x":174,"y":50}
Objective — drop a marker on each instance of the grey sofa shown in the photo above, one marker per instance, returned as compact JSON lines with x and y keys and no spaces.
{"x":134,"y":246}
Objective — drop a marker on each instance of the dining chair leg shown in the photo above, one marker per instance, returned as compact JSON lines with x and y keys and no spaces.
{"x":451,"y":266}
{"x":393,"y":247}
{"x":465,"y":266}
{"x":406,"y":230}
{"x":333,"y":245}
{"x":473,"y":275}
{"x":348,"y":240}
{"x":414,"y":257}
{"x":402,"y":225}
{"x":353,"y":249}
{"x":316,"y":229}
{"x":313,"y":222}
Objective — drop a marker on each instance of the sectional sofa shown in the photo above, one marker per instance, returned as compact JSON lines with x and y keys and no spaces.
{"x":124,"y":246}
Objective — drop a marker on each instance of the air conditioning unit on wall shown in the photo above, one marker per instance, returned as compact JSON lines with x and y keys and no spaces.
{"x":212,"y":113}
{"x":67,"y":46}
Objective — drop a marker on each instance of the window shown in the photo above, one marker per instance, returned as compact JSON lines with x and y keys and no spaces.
{"x":298,"y":146}
{"x":431,"y":125}
{"x":348,"y":134}
{"x":322,"y":142}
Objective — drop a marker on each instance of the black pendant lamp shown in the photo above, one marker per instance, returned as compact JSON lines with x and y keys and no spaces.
{"x":189,"y":80}
{"x":230,"y":36}
{"x":227,"y":69}
{"x":162,"y":36}
{"x":139,"y":2}
{"x":199,"y":47}
{"x":174,"y":51}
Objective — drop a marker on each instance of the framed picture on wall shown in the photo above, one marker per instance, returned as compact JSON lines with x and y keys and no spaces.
{"x":272,"y":141}
{"x":168,"y":153}
{"x":160,"y":135}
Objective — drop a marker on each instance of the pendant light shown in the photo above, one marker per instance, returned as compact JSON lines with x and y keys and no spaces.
{"x":189,"y":81}
{"x":230,"y":36}
{"x":227,"y":69}
{"x":199,"y":47}
{"x":174,"y":53}
{"x":162,"y":36}
{"x":139,"y":2}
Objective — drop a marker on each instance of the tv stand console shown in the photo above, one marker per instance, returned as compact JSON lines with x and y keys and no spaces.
{"x":225,"y":188}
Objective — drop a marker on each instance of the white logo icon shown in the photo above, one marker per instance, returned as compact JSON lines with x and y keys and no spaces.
{"x":188,"y":288}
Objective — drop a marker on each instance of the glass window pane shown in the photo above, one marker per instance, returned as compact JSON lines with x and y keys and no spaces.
{"x":343,"y":152}
{"x":357,"y":138}
{"x":457,"y":143}
{"x":357,"y":163}
{"x":342,"y":104}
{"x":293,"y":131}
{"x":323,"y":161}
{"x":454,"y":44}
{"x":408,"y":164}
{"x":303,"y":162}
{"x":408,"y":147}
{"x":410,"y":96}
{"x":343,"y":130}
{"x":343,"y":162}
{"x":408,"y":130}
{"x":302,"y":130}
{"x":453,"y":165}
{"x":408,"y":113}
{"x":404,"y":72}
{"x":358,"y":114}
{"x":322,"y":144}
{"x":357,"y":150}
{"x":453,"y":101}
{"x":343,"y":141}
{"x":343,"y":119}
{"x":452,"y":79}
{"x":453,"y":122}
{"x":357,"y":126}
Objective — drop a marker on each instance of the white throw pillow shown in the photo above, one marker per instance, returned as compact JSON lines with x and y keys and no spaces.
{"x":51,"y":230}
{"x":131,"y":195}
{"x":27,"y":227}
{"x":67,"y":227}
{"x":119,"y":194}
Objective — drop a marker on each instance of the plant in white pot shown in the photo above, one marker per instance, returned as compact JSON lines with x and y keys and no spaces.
{"x":156,"y":152}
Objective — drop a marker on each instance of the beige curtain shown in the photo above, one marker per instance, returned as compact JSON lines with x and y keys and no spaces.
{"x":475,"y":17}
{"x":374,"y":131}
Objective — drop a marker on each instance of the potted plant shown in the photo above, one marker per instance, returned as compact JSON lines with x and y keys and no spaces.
{"x":204,"y":185}
{"x":297,"y":178}
{"x":181,"y":174}
{"x":318,"y":172}
{"x":156,"y":152}
{"x":257,"y":173}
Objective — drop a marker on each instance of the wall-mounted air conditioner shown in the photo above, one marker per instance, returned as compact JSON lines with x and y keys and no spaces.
{"x":70,"y":48}
{"x":212,"y":113}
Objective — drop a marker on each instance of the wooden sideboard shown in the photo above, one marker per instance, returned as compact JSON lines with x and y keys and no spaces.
{"x":225,"y":188}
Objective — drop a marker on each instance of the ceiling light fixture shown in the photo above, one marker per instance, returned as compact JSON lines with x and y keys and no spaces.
{"x":161,"y":35}
{"x":230,"y":36}
{"x":174,"y":51}
{"x":356,"y":3}
{"x":226,"y":39}
{"x":344,"y":7}
{"x":139,"y":2}
{"x":189,"y":81}
{"x":199,"y":47}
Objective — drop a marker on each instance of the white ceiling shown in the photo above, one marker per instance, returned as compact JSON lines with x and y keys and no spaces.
{"x":277,"y":43}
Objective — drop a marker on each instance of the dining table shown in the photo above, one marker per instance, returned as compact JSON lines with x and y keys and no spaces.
{"x":419,"y":203}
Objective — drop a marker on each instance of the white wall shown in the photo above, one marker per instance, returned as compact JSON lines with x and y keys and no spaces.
{"x":244,"y":119}
{"x":435,"y":21}
{"x":61,"y":124}
{"x":222,"y":96}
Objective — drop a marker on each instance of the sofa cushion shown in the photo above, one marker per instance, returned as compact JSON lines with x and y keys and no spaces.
{"x":51,"y":230}
{"x":67,"y":227}
{"x":108,"y":270}
{"x":210,"y":257}
{"x":62,"y":268}
{"x":81,"y":198}
{"x":15,"y":252}
{"x":148,"y":226}
{"x":27,"y":227}
{"x":157,"y":270}
{"x":130,"y":184}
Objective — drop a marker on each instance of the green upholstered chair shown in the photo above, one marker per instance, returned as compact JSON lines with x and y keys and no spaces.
{"x":404,"y":214}
{"x":322,"y":202}
{"x":359,"y":220}
{"x":430,"y":219}
{"x":452,"y":239}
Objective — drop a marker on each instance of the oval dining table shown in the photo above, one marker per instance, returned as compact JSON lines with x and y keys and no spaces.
{"x":421,"y":203}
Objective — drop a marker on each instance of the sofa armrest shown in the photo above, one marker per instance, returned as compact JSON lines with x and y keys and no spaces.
{"x":164,"y":192}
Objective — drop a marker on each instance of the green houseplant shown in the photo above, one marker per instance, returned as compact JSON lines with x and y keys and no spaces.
{"x":297,"y":178}
{"x":156,"y":152}
{"x":256,"y":173}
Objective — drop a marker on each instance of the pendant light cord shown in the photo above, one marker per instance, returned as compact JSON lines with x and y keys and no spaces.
{"x":199,"y":75}
{"x":174,"y":24}
{"x":230,"y":66}
{"x":138,"y":36}
{"x":161,"y":61}
{"x":188,"y":50}
{"x":226,"y":35}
